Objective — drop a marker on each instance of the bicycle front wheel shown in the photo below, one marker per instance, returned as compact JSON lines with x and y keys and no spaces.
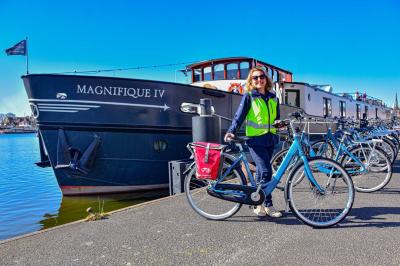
{"x":320,"y":208}
{"x":206,"y":205}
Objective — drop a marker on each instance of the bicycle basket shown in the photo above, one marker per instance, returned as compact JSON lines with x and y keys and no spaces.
{"x":208,"y":158}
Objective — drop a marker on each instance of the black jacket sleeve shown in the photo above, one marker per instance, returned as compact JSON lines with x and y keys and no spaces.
{"x":240,"y":114}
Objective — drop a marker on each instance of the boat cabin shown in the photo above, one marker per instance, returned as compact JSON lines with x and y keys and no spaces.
{"x":230,"y":74}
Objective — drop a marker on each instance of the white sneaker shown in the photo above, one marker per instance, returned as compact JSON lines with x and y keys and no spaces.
{"x":272,"y":212}
{"x":260,"y":211}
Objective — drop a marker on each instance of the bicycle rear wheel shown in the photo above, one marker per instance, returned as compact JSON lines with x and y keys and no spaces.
{"x":207,"y":205}
{"x":323,"y":148}
{"x":277,"y":160}
{"x":379,"y":168}
{"x":389,"y":149}
{"x":316,"y":208}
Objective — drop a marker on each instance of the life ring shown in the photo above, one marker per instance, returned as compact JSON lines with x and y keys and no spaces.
{"x":236,"y":87}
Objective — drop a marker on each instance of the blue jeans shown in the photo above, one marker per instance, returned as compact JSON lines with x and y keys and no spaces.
{"x":262,"y":157}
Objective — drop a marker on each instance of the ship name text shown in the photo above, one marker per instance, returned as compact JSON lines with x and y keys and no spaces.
{"x":120,"y":91}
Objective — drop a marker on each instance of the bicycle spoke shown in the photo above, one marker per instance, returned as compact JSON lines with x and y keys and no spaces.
{"x":321,"y":208}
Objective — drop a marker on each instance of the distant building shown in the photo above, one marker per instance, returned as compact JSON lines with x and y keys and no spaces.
{"x":11,"y":120}
{"x":11,"y":115}
{"x":396,"y":109}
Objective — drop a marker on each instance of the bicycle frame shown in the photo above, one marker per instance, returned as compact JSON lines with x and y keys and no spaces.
{"x":295,"y":149}
{"x":341,"y":149}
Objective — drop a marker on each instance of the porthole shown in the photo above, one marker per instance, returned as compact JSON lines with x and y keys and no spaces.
{"x":160,"y":145}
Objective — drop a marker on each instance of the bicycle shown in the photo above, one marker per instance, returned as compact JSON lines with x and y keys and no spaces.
{"x":321,"y":200}
{"x":369,"y":167}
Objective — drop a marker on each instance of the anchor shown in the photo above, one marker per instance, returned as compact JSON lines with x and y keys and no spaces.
{"x":72,"y":157}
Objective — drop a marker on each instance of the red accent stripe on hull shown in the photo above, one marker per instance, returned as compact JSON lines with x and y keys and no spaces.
{"x":88,"y":190}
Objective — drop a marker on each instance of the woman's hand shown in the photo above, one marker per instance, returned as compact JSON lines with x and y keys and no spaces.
{"x":228,"y":137}
{"x":279,"y":124}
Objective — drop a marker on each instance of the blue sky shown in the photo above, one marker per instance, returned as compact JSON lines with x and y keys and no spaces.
{"x":352,"y":45}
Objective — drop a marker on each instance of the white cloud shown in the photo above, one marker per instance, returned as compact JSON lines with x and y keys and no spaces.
{"x":15,"y":103}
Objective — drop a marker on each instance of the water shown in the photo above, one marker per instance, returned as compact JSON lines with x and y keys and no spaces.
{"x":30,"y":199}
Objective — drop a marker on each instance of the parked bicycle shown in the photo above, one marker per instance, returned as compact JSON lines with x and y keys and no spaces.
{"x":318,"y":190}
{"x":368,"y":165}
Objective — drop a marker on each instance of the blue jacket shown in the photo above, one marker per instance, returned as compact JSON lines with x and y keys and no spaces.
{"x":268,"y":139}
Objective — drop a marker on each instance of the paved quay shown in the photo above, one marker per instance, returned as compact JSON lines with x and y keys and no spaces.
{"x":168,"y":232}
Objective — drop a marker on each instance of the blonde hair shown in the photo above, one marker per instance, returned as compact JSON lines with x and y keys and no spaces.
{"x":268,"y":84}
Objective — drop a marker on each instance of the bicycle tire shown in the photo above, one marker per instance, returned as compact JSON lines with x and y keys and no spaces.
{"x":396,"y":141}
{"x":276,"y":162}
{"x":362,"y":181}
{"x":389,"y":148}
{"x":338,"y":192}
{"x":327,"y":149}
{"x":206,"y":205}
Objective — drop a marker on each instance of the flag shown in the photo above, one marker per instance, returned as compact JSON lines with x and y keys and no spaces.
{"x":18,"y":49}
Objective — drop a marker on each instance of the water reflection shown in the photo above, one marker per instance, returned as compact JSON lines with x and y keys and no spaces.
{"x":30,"y":199}
{"x":74,"y":208}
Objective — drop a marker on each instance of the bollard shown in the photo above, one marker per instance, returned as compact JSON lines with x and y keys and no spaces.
{"x":206,"y":127}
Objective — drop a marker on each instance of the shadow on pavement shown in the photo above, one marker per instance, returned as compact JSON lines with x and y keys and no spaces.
{"x":388,"y":191}
{"x":286,"y":219}
{"x":358,"y":217}
{"x":396,"y":169}
{"x":371,"y":217}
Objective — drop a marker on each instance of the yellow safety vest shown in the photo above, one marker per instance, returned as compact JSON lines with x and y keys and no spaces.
{"x":261,"y":116}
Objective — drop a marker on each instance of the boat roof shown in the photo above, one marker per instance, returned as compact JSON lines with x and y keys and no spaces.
{"x":233,"y":59}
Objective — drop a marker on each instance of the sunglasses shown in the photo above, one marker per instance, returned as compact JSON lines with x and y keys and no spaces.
{"x":258,"y":77}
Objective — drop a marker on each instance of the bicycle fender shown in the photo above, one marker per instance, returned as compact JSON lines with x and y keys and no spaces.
{"x":189,"y":168}
{"x":289,"y":177}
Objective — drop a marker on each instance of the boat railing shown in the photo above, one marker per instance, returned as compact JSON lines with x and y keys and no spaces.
{"x":363,"y":97}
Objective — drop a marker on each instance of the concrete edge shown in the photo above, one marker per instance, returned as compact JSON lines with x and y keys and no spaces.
{"x":140,"y":205}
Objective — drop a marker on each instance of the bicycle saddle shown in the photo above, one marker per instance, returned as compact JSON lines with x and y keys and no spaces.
{"x":239,"y":139}
{"x":347,"y":133}
{"x":296,"y":115}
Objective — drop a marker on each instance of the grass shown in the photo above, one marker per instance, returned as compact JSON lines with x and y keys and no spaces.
{"x":94,"y":216}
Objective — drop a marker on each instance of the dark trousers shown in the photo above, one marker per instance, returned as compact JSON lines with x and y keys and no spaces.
{"x":262,"y":157}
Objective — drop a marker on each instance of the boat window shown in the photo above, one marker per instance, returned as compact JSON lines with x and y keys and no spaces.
{"x":358,"y":111}
{"x":244,"y":70}
{"x":327,"y":112}
{"x":232,"y":71}
{"x":282,"y":76}
{"x":292,"y":97}
{"x":275,"y":76}
{"x":207,"y":73}
{"x":269,"y":72}
{"x":196,"y":75}
{"x":218,"y":72}
{"x":342,"y":108}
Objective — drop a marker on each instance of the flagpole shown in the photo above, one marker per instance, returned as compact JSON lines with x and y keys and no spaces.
{"x":26,"y":49}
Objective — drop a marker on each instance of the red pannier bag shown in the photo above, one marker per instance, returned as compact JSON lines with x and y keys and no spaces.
{"x":208,"y":158}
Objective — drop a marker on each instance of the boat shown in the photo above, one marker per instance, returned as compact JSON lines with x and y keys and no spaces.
{"x":108,"y":134}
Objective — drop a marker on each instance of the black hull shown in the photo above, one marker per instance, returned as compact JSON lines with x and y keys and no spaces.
{"x":105,"y":135}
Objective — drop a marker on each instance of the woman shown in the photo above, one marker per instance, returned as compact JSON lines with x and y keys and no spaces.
{"x":260,"y":108}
